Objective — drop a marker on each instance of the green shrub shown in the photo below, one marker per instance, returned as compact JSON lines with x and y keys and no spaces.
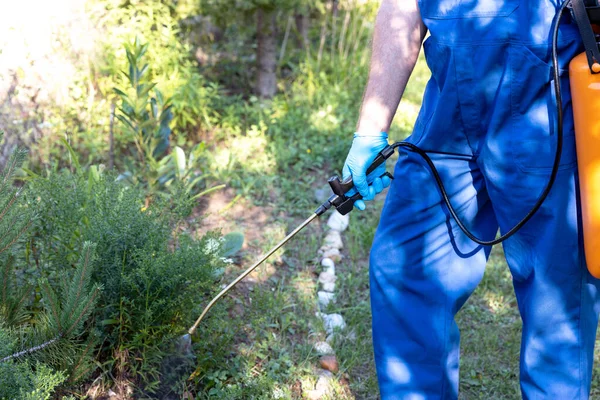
{"x":39,"y":335}
{"x":154,"y":277}
{"x":21,"y":380}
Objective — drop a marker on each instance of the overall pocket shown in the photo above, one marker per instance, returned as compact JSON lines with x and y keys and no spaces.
{"x":451,"y":9}
{"x":534,"y":114}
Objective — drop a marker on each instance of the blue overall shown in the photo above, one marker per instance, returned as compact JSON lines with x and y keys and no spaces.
{"x":488,"y":121}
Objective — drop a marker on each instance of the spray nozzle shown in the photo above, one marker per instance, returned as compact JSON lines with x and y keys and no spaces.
{"x":339,"y":199}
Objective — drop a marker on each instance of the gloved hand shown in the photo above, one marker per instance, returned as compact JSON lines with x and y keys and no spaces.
{"x":365,"y":148}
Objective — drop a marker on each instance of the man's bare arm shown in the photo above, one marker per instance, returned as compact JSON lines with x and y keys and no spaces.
{"x":399,"y":33}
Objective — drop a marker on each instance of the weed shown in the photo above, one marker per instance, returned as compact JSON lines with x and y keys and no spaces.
{"x":154,"y":279}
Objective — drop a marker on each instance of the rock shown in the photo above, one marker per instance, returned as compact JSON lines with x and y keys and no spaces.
{"x":327,"y":281}
{"x":323,"y":348}
{"x":324,"y":381}
{"x":111,"y":393}
{"x":333,"y":240}
{"x":332,"y":253}
{"x":329,"y":363}
{"x":332,"y":322}
{"x":328,"y":264}
{"x":325,"y":298}
{"x":326,"y":277}
{"x":323,"y":387}
{"x":338,"y":222}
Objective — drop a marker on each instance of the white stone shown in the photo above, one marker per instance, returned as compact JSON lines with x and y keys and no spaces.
{"x":323,"y":388}
{"x":325,"y":298}
{"x":328,"y":264}
{"x":332,"y":253}
{"x":338,"y":222}
{"x":326,"y":277}
{"x":332,"y":322}
{"x":333,"y":240}
{"x":327,"y":281}
{"x":323,"y":348}
{"x":111,"y":393}
{"x":324,"y":382}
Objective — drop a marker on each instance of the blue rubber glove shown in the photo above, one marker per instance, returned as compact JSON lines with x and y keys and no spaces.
{"x":365,"y":148}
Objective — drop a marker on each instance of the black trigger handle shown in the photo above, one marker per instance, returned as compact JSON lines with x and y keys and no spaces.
{"x":343,"y":203}
{"x":341,"y":188}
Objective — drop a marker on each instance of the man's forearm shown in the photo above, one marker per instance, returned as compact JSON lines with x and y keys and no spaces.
{"x":399,"y":32}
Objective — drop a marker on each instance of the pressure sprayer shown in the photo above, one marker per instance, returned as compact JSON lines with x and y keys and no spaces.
{"x":584,"y":73}
{"x":585,"y":87}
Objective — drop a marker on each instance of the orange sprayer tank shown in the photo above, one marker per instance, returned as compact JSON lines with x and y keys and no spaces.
{"x":585,"y":91}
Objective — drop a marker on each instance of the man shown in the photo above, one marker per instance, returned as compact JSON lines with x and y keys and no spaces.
{"x":488,"y":121}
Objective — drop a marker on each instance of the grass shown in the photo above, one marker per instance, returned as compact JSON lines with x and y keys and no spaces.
{"x":258,"y":335}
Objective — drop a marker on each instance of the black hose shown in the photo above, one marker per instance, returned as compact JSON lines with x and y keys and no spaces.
{"x":555,"y":167}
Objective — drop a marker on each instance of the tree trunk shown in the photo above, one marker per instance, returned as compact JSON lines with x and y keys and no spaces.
{"x":20,"y":130}
{"x":302,"y":27}
{"x":334,"y":16}
{"x":266,"y":54}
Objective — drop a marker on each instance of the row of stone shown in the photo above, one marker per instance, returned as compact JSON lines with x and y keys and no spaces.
{"x":330,"y":253}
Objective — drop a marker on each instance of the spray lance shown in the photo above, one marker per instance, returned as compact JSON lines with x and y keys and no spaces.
{"x":585,"y":87}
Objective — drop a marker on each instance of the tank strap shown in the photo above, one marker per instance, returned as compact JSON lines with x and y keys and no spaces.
{"x":587,"y":34}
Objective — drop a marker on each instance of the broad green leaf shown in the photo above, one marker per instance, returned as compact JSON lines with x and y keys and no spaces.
{"x":233,"y":243}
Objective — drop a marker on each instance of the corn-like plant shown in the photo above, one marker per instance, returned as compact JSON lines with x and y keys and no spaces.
{"x":146,"y":116}
{"x":145,"y":112}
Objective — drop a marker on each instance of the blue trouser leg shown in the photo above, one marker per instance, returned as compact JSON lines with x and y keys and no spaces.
{"x":423,"y":269}
{"x":556,"y":295}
